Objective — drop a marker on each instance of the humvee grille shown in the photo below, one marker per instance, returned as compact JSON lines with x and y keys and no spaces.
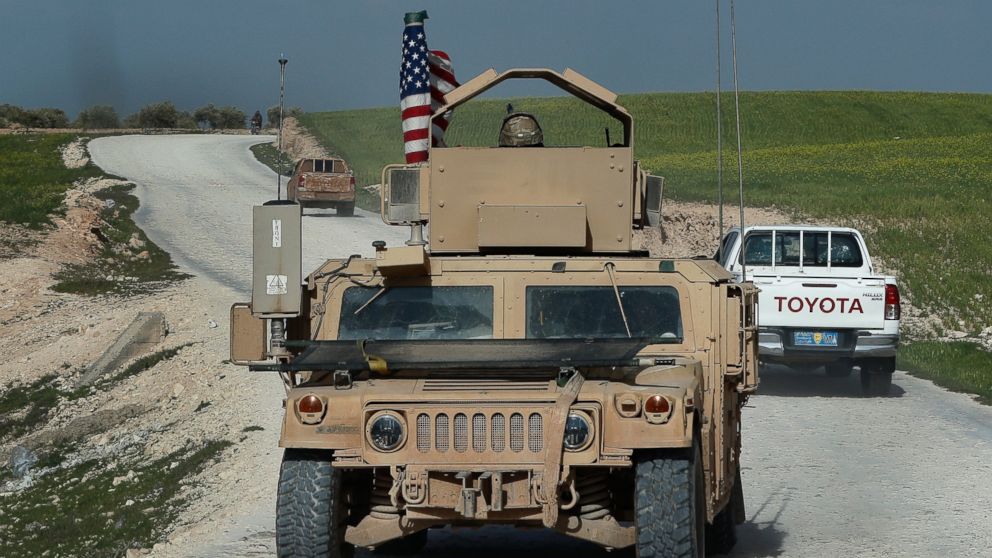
{"x":499,"y":432}
{"x":423,"y":432}
{"x":535,"y":440}
{"x":442,"y":436}
{"x":461,"y":432}
{"x":479,"y":432}
{"x":517,"y":432}
{"x":488,"y":432}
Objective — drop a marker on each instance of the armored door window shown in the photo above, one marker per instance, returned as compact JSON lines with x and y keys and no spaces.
{"x":417,"y":313}
{"x":567,"y":312}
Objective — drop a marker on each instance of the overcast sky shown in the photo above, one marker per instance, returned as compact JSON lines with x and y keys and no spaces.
{"x":73,"y":53}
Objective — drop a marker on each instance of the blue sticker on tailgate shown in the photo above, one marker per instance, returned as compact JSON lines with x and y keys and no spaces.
{"x":815,"y":338}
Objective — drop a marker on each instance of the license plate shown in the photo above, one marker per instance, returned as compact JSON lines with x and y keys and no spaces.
{"x":815,"y":338}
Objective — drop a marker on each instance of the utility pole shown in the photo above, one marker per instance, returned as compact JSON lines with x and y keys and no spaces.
{"x":282,"y":95}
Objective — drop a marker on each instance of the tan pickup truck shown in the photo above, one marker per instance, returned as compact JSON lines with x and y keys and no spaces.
{"x":323,"y":183}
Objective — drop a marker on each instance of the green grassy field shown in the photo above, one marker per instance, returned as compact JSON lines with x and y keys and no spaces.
{"x":914,"y":170}
{"x":33,"y":178}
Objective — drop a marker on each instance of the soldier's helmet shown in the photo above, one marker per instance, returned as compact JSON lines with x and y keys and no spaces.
{"x":520,"y":130}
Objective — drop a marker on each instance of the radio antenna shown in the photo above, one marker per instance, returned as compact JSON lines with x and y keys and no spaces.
{"x":737,"y":114}
{"x":719,"y":141}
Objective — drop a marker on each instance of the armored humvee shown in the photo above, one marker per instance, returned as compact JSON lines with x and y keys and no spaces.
{"x":528,"y":365}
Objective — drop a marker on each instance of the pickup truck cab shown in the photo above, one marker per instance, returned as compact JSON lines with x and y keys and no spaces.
{"x":323,"y":183}
{"x":820,"y":301}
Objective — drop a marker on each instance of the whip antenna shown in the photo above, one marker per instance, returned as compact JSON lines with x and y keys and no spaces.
{"x":737,"y":114}
{"x":719,"y":140}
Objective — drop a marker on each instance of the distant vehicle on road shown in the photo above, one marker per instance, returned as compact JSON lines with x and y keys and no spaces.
{"x":821,"y":301}
{"x":323,"y":183}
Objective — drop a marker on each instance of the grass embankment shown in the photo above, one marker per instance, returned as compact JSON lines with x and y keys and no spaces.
{"x":33,"y":182}
{"x":75,"y":507}
{"x":78,"y":510}
{"x":278,"y":161}
{"x":33,"y":178}
{"x":913,"y":168}
{"x":128,"y":262}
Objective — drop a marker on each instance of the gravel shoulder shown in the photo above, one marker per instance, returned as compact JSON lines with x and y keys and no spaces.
{"x":826,"y":471}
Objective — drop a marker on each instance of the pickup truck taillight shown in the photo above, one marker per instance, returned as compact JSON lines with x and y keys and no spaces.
{"x":352,"y":182}
{"x":303,"y":181}
{"x":892,"y":302}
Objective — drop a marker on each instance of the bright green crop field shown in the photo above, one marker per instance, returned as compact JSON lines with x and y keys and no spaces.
{"x":913,"y":170}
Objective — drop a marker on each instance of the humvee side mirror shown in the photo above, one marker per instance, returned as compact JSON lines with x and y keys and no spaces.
{"x":401,"y":189}
{"x":654,"y":188}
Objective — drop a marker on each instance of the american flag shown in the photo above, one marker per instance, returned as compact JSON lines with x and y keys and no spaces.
{"x":425,"y":76}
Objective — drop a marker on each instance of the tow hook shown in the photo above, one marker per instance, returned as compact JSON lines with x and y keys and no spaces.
{"x":470,"y":494}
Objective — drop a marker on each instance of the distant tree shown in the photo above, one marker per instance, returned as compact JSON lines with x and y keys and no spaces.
{"x":185,"y":120}
{"x":158,"y":115}
{"x":97,"y":116}
{"x":11,"y":114}
{"x":273,"y":114}
{"x":131,"y":121}
{"x":231,"y":118}
{"x":48,"y":118}
{"x":207,"y":116}
{"x":219,"y":118}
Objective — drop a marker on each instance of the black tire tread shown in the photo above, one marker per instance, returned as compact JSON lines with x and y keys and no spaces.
{"x":308,"y":504}
{"x":665,"y":505}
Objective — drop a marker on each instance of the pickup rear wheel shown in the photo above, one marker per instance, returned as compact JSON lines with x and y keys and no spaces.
{"x":346,"y":209}
{"x":669,"y":504}
{"x":876,"y":376}
{"x":311,"y":514}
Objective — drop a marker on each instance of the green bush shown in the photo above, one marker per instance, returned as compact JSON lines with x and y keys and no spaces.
{"x":156,"y":115}
{"x":98,"y":116}
{"x":273,"y":114}
{"x":34,"y":118}
{"x":219,"y":118}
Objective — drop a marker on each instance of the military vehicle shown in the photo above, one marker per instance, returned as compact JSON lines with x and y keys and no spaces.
{"x":530,"y":365}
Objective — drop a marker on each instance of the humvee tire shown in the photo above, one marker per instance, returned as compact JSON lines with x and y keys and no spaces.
{"x":669,"y":504}
{"x":839,"y":369}
{"x":310,"y":512}
{"x":346,"y":209}
{"x":876,"y":376}
{"x":407,"y":546}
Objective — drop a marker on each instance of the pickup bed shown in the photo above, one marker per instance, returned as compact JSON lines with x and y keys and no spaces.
{"x":323,"y":183}
{"x":820,"y":300}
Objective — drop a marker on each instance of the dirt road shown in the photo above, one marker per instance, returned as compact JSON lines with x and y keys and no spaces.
{"x":196,"y":195}
{"x":826,"y":472}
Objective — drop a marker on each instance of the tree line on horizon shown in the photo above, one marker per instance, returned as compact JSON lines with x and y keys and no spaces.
{"x":163,"y":114}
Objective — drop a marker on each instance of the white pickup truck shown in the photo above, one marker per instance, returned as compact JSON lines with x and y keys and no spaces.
{"x":821,"y":301}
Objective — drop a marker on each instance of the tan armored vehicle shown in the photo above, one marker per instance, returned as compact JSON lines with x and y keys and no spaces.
{"x":530,"y":366}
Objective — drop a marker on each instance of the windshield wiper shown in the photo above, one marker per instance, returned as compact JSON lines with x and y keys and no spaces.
{"x":371,"y":300}
{"x":616,"y":291}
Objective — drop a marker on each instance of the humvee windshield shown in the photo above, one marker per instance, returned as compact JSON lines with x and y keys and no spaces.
{"x":592,"y":312}
{"x":417,"y":313}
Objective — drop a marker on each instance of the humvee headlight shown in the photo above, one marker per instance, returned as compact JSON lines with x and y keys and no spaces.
{"x":578,"y":431}
{"x":386,"y":432}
